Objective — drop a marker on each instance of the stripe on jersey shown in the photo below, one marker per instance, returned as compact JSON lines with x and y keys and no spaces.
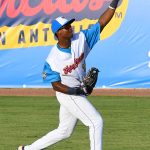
{"x":66,"y":50}
{"x":92,"y":35}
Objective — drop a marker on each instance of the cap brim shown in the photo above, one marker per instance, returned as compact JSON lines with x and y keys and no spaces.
{"x":69,"y":22}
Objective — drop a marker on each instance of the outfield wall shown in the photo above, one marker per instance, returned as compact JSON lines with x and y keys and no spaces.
{"x":96,"y":92}
{"x":122,"y":55}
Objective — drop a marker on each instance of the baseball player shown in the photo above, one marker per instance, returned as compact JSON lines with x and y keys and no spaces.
{"x":65,"y":69}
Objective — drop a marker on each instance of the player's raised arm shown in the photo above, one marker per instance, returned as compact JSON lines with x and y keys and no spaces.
{"x":108,"y":14}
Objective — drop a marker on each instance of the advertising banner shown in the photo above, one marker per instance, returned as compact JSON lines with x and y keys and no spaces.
{"x":122,"y":54}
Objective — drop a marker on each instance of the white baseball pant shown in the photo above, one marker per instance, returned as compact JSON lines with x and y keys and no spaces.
{"x":71,"y":109}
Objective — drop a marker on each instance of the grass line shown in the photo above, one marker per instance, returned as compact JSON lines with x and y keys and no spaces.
{"x":25,"y":119}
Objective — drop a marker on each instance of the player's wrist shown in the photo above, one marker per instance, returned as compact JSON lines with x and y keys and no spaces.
{"x":76,"y":91}
{"x":113,"y":4}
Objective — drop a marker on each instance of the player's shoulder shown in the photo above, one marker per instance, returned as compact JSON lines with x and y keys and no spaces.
{"x":52,"y":53}
{"x":53,"y":50}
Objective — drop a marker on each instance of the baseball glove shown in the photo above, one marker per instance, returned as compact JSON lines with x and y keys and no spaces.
{"x":90,"y":80}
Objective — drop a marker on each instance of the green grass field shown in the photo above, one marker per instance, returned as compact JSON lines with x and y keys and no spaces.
{"x":126,"y":123}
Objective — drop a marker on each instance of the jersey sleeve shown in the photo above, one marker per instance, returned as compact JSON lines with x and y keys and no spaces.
{"x":49,"y":75}
{"x":92,"y":35}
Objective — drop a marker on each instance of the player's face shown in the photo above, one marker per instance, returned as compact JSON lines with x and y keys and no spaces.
{"x":66,"y":31}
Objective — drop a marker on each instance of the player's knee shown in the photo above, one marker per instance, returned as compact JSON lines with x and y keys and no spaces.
{"x":98,"y":122}
{"x":65,"y":133}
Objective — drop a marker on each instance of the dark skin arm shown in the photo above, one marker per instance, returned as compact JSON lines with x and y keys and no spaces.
{"x":108,"y":14}
{"x":58,"y":86}
{"x":106,"y":17}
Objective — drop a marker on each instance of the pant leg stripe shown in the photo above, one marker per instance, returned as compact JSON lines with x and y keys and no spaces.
{"x":86,"y":117}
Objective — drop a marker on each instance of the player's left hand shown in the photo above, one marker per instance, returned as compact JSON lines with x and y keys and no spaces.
{"x":89,"y":81}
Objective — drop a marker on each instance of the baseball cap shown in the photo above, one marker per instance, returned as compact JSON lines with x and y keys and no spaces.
{"x":59,"y":22}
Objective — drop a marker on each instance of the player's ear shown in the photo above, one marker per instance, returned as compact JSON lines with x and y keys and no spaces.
{"x":56,"y":35}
